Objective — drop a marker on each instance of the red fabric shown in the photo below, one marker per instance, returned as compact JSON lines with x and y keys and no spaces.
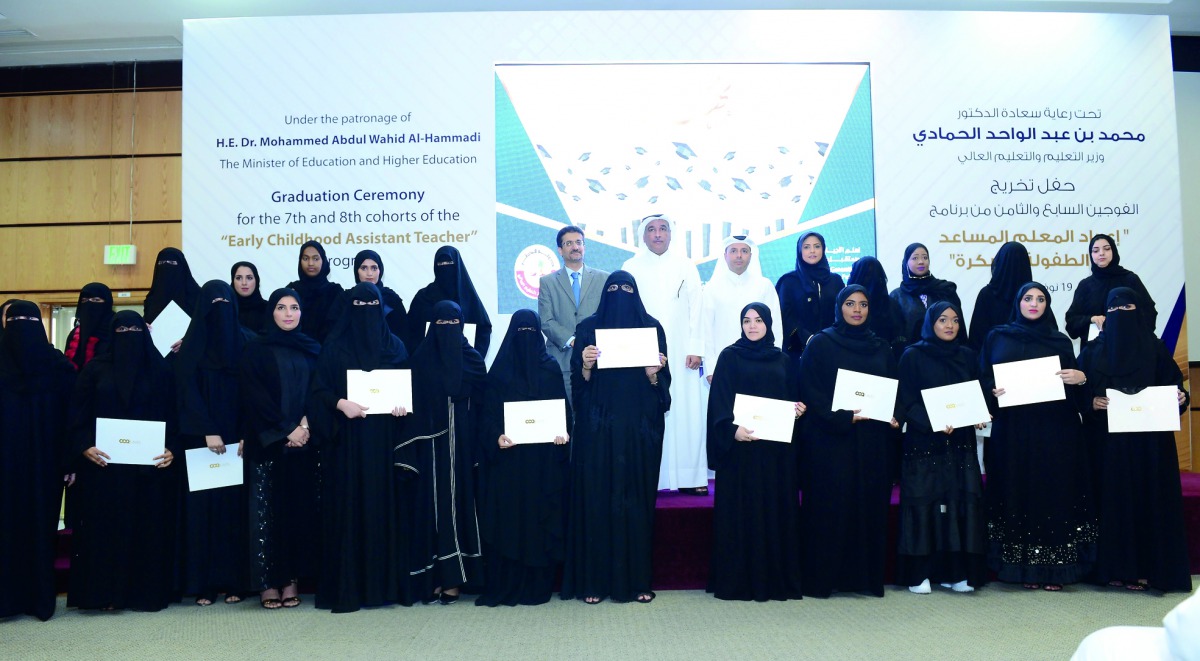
{"x":73,"y":346}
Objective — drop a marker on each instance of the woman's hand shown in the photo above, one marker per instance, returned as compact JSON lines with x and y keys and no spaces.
{"x":981,"y":425}
{"x":997,"y":392}
{"x":241,"y":446}
{"x":948,"y":430}
{"x":214,"y":443}
{"x":175,"y":346}
{"x":505,"y":442}
{"x":351,"y":409}
{"x":590,"y":355}
{"x":399,"y":411}
{"x":1099,"y":403}
{"x":744,"y":434}
{"x":298,"y":437}
{"x":1181,"y":395}
{"x":896,"y":424}
{"x":1099,"y":321}
{"x":1071,"y":377}
{"x":97,"y":456}
{"x":562,"y":440}
{"x":163,"y":460}
{"x":856,"y":418}
{"x":801,"y":407}
{"x":662,"y":360}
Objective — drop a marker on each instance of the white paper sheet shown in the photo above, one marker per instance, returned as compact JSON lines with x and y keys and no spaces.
{"x":768,"y":419}
{"x":209,"y":470}
{"x":170,"y":325}
{"x":537,"y":421}
{"x":380,"y":390}
{"x":1029,"y":381}
{"x":626,"y":347}
{"x":956,"y":405}
{"x":1093,"y":332}
{"x":875,"y":395}
{"x":468,"y":332}
{"x":135,"y":442}
{"x":1153,"y":409}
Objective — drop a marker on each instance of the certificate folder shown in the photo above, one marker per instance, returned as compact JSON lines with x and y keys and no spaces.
{"x":1029,"y":381}
{"x":767,"y":419}
{"x":873,"y":396}
{"x":956,"y":405}
{"x":135,"y":442}
{"x":1153,"y":409}
{"x":537,"y":421}
{"x":380,"y":390}
{"x":209,"y":470}
{"x":627,"y":347}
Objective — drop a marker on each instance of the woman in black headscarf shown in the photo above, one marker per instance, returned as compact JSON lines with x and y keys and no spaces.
{"x":93,"y":317}
{"x":374,"y":550}
{"x":920,"y":289}
{"x":318,"y":293}
{"x":885,"y":319}
{"x":253,"y":312}
{"x":172,"y":281}
{"x":276,"y":371}
{"x":368,"y":267}
{"x":35,"y":385}
{"x":521,"y":512}
{"x":943,"y":537}
{"x":123,"y":546}
{"x":844,"y":459}
{"x":807,"y":295}
{"x":1088,"y":308}
{"x":206,"y":370}
{"x":756,"y":514}
{"x":993,"y":306}
{"x":1041,"y":523}
{"x":448,"y":377}
{"x":615,"y":456}
{"x":1143,"y":541}
{"x":451,"y":282}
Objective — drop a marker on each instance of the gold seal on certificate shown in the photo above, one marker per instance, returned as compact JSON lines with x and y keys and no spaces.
{"x":537,"y":421}
{"x":767,"y":419}
{"x":380,"y":391}
{"x":627,"y":347}
{"x":873,"y":396}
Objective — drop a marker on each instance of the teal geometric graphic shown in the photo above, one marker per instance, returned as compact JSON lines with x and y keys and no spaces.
{"x":521,"y":179}
{"x":848,"y":176}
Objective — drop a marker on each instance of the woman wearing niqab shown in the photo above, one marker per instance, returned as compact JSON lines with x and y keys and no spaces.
{"x":918,"y":290}
{"x":123,"y":557}
{"x":1041,"y":520}
{"x":320,"y":296}
{"x":756,"y":513}
{"x":282,"y":466}
{"x":206,"y":372}
{"x":93,"y":316}
{"x":368,"y":266}
{"x":35,"y":385}
{"x":451,"y":375}
{"x":994,"y":304}
{"x":943,"y":538}
{"x":451,"y":282}
{"x":1088,"y":306}
{"x":844,"y":459}
{"x":807,"y":295}
{"x":521,"y":512}
{"x":374,"y":506}
{"x":1142,"y":538}
{"x":172,"y":282}
{"x":616,"y":449}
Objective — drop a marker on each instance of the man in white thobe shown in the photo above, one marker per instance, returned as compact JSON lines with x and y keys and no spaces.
{"x":736,"y":282}
{"x":669,"y":285}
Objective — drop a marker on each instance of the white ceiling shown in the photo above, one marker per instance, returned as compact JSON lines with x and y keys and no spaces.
{"x":74,"y":31}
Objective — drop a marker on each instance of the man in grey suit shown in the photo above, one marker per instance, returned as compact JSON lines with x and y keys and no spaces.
{"x":568,"y":296}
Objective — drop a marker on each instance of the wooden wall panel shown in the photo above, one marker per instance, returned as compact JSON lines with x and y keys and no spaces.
{"x":65,"y":125}
{"x":64,"y":258}
{"x":90,"y":190}
{"x":159,"y":122}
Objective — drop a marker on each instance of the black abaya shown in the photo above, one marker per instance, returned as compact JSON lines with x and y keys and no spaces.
{"x":916,"y":294}
{"x":1092,"y":292}
{"x":318,"y":295}
{"x":807,"y":298}
{"x":451,"y":282}
{"x":756,"y":514}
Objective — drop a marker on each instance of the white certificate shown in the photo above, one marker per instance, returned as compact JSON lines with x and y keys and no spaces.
{"x":1093,"y":332}
{"x":1029,"y":381}
{"x":874,"y":395}
{"x":209,"y":470}
{"x":627,"y":347}
{"x":468,"y":332}
{"x":380,"y":390}
{"x":131,"y":441}
{"x":170,"y":325}
{"x":1153,"y":409}
{"x":538,"y":421}
{"x":956,"y":405}
{"x":767,"y":419}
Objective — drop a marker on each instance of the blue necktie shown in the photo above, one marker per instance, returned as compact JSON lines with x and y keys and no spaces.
{"x":575,"y":287}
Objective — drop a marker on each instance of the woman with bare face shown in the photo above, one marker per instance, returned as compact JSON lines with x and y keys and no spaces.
{"x":1088,"y":308}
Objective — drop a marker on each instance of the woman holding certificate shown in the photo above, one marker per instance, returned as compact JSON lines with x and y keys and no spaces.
{"x":282,"y":466}
{"x":918,"y":290}
{"x":172,"y":283}
{"x":1085,"y":317}
{"x":206,"y":372}
{"x":123,"y":548}
{"x":616,"y":451}
{"x":844,"y":459}
{"x":371,"y":543}
{"x":807,"y":294}
{"x":521,"y":513}
{"x":942,"y":527}
{"x":35,"y":385}
{"x":1143,"y":542}
{"x":756,"y":518}
{"x":449,"y":375}
{"x":1041,"y":523}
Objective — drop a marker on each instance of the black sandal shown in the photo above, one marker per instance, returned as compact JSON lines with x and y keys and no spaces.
{"x":694,"y":491}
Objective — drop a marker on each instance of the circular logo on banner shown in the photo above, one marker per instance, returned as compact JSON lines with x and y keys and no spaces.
{"x":534,"y":262}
